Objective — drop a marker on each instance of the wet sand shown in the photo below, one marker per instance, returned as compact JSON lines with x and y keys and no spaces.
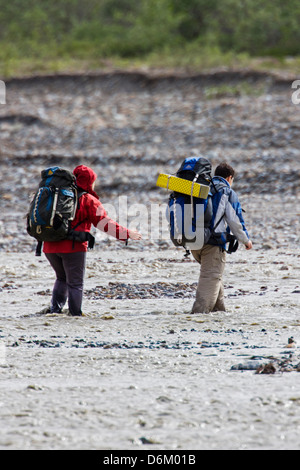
{"x":138,"y":371}
{"x":145,"y":373}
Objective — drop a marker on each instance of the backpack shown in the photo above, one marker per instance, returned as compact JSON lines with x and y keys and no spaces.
{"x":185,"y":210}
{"x":53,"y":208}
{"x":190,"y":217}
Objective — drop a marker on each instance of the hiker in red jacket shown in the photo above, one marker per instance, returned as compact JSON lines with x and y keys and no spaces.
{"x":68,"y":257}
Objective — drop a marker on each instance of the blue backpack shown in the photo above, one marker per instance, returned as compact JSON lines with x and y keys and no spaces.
{"x":190,"y":217}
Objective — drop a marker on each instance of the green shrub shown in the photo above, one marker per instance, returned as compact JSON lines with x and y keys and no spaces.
{"x":175,"y":30}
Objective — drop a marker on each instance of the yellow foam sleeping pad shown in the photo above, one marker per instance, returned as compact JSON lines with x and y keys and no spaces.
{"x":173,"y":183}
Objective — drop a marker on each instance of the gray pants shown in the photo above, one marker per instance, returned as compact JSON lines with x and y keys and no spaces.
{"x":210,"y":289}
{"x":69,"y":269}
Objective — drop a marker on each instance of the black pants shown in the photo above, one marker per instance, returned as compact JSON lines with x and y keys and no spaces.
{"x":69,"y":269}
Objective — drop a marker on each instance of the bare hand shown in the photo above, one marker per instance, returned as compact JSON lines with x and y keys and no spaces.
{"x":134,"y":235}
{"x":248,"y":245}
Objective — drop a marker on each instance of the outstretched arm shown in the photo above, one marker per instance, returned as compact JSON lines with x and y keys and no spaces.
{"x":104,"y":223}
{"x":248,"y":245}
{"x":134,"y":235}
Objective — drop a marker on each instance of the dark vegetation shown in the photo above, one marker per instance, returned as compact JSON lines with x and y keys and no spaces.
{"x":168,"y":32}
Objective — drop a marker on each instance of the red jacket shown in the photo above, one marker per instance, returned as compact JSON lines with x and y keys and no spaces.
{"x":90,"y":211}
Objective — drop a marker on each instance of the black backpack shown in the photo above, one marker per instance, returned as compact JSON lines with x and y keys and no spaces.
{"x":53,"y":208}
{"x":196,"y":168}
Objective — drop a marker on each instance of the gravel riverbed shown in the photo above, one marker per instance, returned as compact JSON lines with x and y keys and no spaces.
{"x":138,"y":371}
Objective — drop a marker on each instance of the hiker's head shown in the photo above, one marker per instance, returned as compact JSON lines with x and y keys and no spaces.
{"x":225,"y":171}
{"x":85,"y":178}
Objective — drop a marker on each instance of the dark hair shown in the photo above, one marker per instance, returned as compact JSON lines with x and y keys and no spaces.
{"x":224,"y":170}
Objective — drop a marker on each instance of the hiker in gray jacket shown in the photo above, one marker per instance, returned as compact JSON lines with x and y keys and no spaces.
{"x":227,"y":216}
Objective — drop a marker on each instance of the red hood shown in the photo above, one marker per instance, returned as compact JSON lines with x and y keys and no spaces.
{"x":85,"y":178}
